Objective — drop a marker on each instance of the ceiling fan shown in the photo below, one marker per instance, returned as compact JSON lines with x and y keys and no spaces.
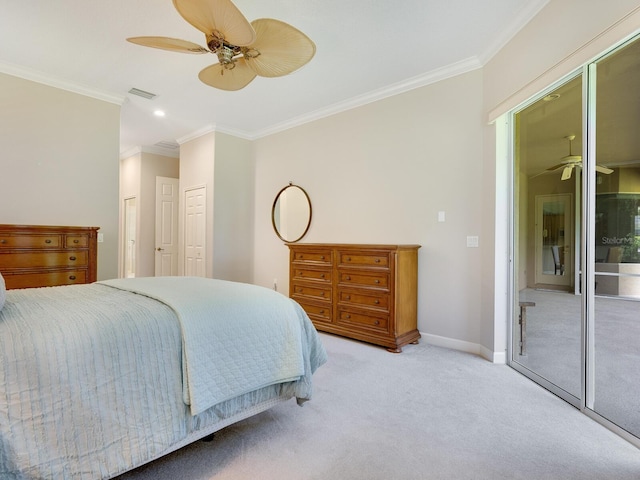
{"x":264,"y":47}
{"x":571,"y":161}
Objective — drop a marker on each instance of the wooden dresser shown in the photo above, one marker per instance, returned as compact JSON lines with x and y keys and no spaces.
{"x":365,"y":292}
{"x":46,"y":256}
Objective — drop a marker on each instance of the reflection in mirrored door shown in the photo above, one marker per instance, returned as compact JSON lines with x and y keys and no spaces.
{"x":576,"y":249}
{"x":547,"y":211}
{"x":614,"y":383}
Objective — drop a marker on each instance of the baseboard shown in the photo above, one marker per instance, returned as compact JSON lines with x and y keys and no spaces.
{"x":463,"y":346}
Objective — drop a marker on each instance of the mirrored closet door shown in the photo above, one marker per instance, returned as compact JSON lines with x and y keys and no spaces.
{"x":576,"y":239}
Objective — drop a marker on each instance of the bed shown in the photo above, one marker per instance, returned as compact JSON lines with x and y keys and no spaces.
{"x":98,"y":379}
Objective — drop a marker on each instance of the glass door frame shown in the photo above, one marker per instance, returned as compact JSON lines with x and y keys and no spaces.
{"x":584,"y":270}
{"x":513,"y":308}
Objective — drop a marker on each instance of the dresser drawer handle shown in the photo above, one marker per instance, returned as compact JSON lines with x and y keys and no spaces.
{"x":322,"y":294}
{"x":348,"y":297}
{"x":377,"y":322}
{"x":377,"y":260}
{"x":347,"y":316}
{"x":321,"y":257}
{"x":300,"y":256}
{"x":377,"y":302}
{"x":76,"y":241}
{"x":48,"y":240}
{"x":377,"y":281}
{"x":72,"y":277}
{"x":322,"y":276}
{"x":72,"y":259}
{"x":348,"y":278}
{"x":348,"y":259}
{"x":321,"y":312}
{"x":3,"y":241}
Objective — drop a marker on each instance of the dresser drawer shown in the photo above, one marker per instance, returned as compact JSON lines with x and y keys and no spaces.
{"x":378,"y":300}
{"x":32,"y":241}
{"x":311,"y":292}
{"x":313,"y":274}
{"x":44,"y":259}
{"x":313,"y":256}
{"x":360,"y":319}
{"x":364,"y":259}
{"x":76,"y":241}
{"x":42,"y":279}
{"x":321,"y":313}
{"x":364,"y":278}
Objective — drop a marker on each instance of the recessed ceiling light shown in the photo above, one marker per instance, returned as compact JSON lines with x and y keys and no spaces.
{"x":551,"y":97}
{"x":159,"y":113}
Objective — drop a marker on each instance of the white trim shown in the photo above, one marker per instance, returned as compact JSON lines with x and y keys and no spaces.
{"x":464,"y":346}
{"x":429,"y":78}
{"x":35,"y":76}
{"x":198,"y":133}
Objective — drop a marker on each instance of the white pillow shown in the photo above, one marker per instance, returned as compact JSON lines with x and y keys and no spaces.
{"x":3,"y":292}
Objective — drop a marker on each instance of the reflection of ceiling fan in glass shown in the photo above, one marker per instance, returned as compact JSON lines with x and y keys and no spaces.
{"x":265,"y":47}
{"x":571,"y":161}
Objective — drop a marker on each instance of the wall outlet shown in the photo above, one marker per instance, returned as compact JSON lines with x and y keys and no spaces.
{"x":100,"y":238}
{"x":275,"y":284}
{"x":441,"y":216}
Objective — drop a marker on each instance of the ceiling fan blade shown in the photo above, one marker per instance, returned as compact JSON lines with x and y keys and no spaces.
{"x":221,"y":16}
{"x":279,"y":48}
{"x":566,"y":173}
{"x":227,"y":79}
{"x":605,"y":170}
{"x":556,"y":167}
{"x":166,"y":43}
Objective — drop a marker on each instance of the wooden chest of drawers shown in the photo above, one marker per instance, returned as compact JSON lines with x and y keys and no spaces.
{"x":47,"y":256}
{"x":366,"y":292}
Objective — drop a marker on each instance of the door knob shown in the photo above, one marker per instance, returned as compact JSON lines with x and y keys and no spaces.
{"x":159,"y":249}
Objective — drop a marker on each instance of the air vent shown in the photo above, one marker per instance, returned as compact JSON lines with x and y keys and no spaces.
{"x":171,"y":145}
{"x":142,"y":93}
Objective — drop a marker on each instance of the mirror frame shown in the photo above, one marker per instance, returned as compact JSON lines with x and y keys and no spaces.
{"x":273,"y":213}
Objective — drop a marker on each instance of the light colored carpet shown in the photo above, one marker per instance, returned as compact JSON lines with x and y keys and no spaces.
{"x":428,"y":413}
{"x":554,"y":350}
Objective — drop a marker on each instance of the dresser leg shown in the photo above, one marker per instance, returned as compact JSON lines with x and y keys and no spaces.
{"x":395,"y":350}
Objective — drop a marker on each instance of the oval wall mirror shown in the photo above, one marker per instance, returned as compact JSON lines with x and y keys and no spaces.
{"x":291,"y":213}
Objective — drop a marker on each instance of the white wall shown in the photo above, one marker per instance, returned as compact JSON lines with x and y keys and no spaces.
{"x":60,"y":162}
{"x":380,"y":173}
{"x":233,"y":209}
{"x":224,"y":165}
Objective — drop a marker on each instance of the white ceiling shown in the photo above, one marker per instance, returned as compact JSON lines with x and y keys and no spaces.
{"x":366,"y":50}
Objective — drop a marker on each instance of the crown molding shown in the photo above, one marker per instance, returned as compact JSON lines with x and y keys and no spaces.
{"x":530,"y":10}
{"x":197,"y":133}
{"x":418,"y":81}
{"x":35,"y":76}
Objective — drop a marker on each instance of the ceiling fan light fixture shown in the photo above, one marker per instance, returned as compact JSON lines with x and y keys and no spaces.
{"x":265,"y":47}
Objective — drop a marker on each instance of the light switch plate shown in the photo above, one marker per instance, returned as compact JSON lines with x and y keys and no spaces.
{"x":441,"y":216}
{"x":472,"y":241}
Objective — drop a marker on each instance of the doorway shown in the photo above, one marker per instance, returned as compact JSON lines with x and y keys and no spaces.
{"x":130,"y":220}
{"x":553,"y":239}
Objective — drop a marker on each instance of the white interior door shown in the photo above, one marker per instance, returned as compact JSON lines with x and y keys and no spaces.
{"x":166,"y":261}
{"x":195,"y":232}
{"x":130,"y":221}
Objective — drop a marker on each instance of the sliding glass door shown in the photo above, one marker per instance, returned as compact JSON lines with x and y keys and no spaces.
{"x":548,"y":312}
{"x":614,"y":334}
{"x":576,"y":230}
